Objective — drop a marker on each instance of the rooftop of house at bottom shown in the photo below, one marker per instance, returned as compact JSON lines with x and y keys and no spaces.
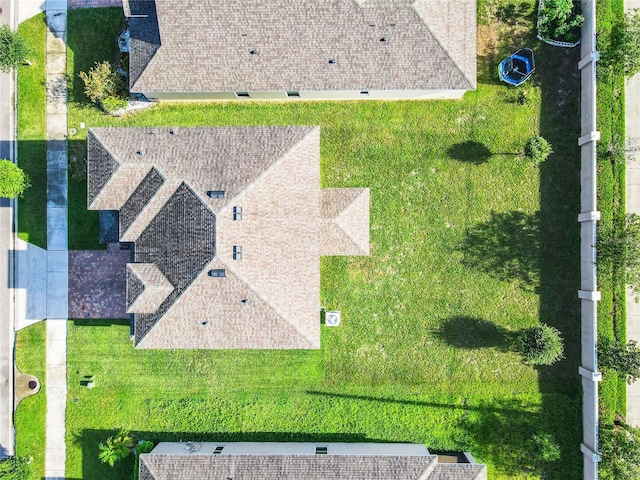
{"x":228,"y":225}
{"x":279,"y":49}
{"x":306,"y":461}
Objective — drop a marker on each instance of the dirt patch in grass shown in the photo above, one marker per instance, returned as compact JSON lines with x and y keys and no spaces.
{"x":487,"y":41}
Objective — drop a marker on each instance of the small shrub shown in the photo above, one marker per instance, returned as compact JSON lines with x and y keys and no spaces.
{"x":102,"y":84}
{"x":13,"y":180}
{"x":560,"y":20}
{"x":111,"y":104}
{"x":537,"y":149}
{"x":541,"y":345}
{"x":13,"y":49}
{"x":116,"y":448}
{"x":618,"y":248}
{"x":15,"y":468}
{"x":144,"y":446}
{"x":620,"y":448}
{"x":623,"y":52}
{"x":623,"y":359}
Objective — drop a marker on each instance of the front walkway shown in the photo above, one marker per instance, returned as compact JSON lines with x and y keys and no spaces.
{"x":57,"y":254}
{"x":632,"y":109}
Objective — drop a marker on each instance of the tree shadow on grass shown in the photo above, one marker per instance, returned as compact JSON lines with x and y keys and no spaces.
{"x":515,"y":435}
{"x":515,"y":13}
{"x":507,"y":433}
{"x":473,"y":333}
{"x":507,"y":246}
{"x":470,"y":151}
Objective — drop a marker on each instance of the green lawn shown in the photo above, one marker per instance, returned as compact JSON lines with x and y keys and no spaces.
{"x":31,"y":413}
{"x":470,"y":243}
{"x":32,"y":152}
{"x":611,"y":203}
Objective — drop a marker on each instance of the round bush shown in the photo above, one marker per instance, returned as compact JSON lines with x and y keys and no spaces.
{"x":538,"y":149}
{"x":13,"y":180}
{"x":541,"y":345}
{"x":144,"y":446}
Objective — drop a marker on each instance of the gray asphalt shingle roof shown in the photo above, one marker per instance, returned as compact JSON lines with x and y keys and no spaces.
{"x":303,"y":467}
{"x":268,"y":298}
{"x":321,"y":45}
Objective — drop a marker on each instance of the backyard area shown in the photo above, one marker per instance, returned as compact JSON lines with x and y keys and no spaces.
{"x":471,"y":242}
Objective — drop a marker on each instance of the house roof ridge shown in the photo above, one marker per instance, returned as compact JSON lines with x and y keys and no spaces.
{"x":266,"y":302}
{"x":92,"y":131}
{"x":348,"y":207}
{"x":271,"y":167}
{"x":446,"y":51}
{"x":428,"y":470}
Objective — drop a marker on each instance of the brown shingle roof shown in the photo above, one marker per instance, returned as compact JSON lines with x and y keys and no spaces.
{"x":459,"y":471}
{"x":270,"y":297}
{"x":345,"y":221}
{"x":286,"y":467}
{"x":151,"y":287}
{"x":278,"y":45}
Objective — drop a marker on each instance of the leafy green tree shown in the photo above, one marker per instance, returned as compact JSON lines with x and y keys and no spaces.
{"x":560,"y":20}
{"x":623,"y":51}
{"x":541,"y":345}
{"x":15,"y":468}
{"x":620,"y":449}
{"x":537,"y":149}
{"x":624,"y":359}
{"x":618,"y":248}
{"x":13,"y":180}
{"x":13,"y":49}
{"x":104,"y":86}
{"x":116,"y":448}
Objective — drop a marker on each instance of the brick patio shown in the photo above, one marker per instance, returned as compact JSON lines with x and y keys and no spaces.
{"x":97,"y":283}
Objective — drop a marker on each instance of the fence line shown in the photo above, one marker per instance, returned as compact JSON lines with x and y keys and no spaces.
{"x":588,"y":218}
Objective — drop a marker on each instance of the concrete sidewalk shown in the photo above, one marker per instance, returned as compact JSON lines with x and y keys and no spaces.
{"x":632,"y":118}
{"x":57,"y":249}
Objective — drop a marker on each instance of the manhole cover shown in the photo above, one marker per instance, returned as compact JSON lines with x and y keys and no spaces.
{"x":32,"y":384}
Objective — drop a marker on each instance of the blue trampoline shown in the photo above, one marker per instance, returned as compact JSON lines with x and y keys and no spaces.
{"x":517,"y":67}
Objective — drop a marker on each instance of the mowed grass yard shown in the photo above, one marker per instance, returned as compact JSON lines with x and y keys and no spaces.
{"x":470,"y":244}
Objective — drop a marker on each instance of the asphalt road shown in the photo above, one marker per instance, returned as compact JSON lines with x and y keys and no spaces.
{"x":6,"y":231}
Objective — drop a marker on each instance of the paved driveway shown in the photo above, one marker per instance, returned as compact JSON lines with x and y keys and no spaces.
{"x":97,"y":283}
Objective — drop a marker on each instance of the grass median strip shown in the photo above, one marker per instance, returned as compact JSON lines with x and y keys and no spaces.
{"x":31,"y":413}
{"x":32,"y":149}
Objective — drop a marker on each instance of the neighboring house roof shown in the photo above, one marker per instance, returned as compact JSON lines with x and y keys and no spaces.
{"x":324,"y":45}
{"x":283,"y":467}
{"x":158,"y":179}
{"x":297,"y":467}
{"x":296,"y":461}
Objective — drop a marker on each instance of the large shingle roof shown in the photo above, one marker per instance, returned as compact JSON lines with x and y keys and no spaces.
{"x":304,"y":467}
{"x":258,"y":45}
{"x":270,"y":297}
